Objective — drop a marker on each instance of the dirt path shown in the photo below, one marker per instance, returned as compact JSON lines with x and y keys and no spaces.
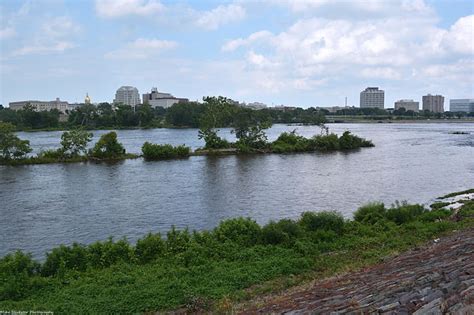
{"x":437,"y":278}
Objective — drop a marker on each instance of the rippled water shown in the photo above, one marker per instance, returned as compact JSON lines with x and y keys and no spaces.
{"x":42,"y":206}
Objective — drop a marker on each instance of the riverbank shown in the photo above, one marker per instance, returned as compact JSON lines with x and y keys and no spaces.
{"x":213,"y":270}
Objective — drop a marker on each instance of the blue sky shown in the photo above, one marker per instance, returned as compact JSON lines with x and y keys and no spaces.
{"x":294,"y":52}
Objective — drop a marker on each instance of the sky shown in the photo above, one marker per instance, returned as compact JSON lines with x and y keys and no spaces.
{"x":292,"y":52}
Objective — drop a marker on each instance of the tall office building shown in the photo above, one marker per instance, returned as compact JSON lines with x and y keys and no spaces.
{"x":372,"y":97}
{"x":408,"y":105}
{"x":433,"y":103}
{"x":461,"y":105}
{"x":127,"y":95}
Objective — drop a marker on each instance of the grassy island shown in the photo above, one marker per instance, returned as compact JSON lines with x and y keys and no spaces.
{"x":212,"y":270}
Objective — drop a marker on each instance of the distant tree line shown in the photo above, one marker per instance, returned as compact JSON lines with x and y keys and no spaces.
{"x":183,"y":114}
{"x":398,"y":113}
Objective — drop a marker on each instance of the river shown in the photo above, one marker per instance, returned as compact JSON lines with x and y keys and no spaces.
{"x":43,"y":206}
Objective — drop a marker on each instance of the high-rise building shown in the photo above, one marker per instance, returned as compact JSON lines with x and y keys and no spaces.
{"x":127,"y":95}
{"x":159,"y":99}
{"x":433,"y":103}
{"x":372,"y":97}
{"x":38,"y":106}
{"x":408,"y":105}
{"x":461,"y":105}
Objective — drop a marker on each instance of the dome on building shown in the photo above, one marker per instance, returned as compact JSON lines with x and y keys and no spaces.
{"x":87,"y":100}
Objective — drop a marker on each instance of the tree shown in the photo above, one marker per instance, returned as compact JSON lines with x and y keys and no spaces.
{"x":217,"y":110}
{"x":145,"y":115}
{"x":10,"y":145}
{"x":249,"y":129}
{"x":74,"y":142}
{"x":108,"y":147}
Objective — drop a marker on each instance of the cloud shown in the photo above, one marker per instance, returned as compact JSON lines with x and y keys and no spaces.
{"x":141,"y":48}
{"x":381,"y":73}
{"x":59,"y":27}
{"x":7,"y":32}
{"x":223,"y":14}
{"x":120,"y":8}
{"x":252,"y":38}
{"x":460,"y":37}
{"x":39,"y":48}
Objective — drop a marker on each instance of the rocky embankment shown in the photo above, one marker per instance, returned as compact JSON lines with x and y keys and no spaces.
{"x":437,"y":278}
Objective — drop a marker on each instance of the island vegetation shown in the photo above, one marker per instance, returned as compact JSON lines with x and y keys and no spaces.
{"x":249,"y":130}
{"x":212,"y":270}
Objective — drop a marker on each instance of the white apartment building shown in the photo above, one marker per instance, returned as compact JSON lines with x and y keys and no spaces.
{"x":39,"y":106}
{"x":127,"y":95}
{"x":461,"y":105}
{"x":408,"y":105}
{"x":372,"y":97}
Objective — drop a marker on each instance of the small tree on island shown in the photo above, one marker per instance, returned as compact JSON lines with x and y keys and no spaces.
{"x":217,"y":109}
{"x":108,"y":147}
{"x":12,"y":147}
{"x":75,"y":142}
{"x":249,"y":129}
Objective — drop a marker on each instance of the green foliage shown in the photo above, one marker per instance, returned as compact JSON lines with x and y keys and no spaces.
{"x":149,"y":248}
{"x":325,"y":220}
{"x":16,"y":271}
{"x":159,"y":152}
{"x":108,"y":147}
{"x":249,"y":128}
{"x":51,"y":154}
{"x":468,"y":191}
{"x":185,"y":114}
{"x":212,"y":140}
{"x":370,"y":213}
{"x":243,"y":231}
{"x":403,"y":213}
{"x":439,"y":205}
{"x":75,"y":142}
{"x":348,"y":141}
{"x":233,"y":260}
{"x":12,"y":147}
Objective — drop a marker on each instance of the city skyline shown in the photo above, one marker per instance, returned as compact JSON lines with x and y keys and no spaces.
{"x":306,"y":53}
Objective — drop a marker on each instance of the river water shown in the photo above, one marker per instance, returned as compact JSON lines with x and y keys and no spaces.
{"x":43,"y":206}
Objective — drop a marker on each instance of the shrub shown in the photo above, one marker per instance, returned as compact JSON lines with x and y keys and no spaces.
{"x":51,"y":154}
{"x":404,"y":213}
{"x":245,"y":232}
{"x":370,"y":213}
{"x":66,"y":258}
{"x":158,"y":152}
{"x":16,"y":272}
{"x":75,"y":142}
{"x":149,"y":248}
{"x":213,"y":141}
{"x":283,"y":231}
{"x":348,"y":141}
{"x":105,"y":254}
{"x":10,"y":145}
{"x":326,"y":220}
{"x":177,"y":241}
{"x":328,"y":142}
{"x":108,"y":147}
{"x":435,"y":215}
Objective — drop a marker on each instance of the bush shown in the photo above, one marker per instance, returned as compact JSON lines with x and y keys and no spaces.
{"x":348,"y":141}
{"x":404,"y":213}
{"x":283,"y":231}
{"x":10,"y":145}
{"x":159,"y":152}
{"x":75,"y":142}
{"x":65,"y":258}
{"x":435,"y":215}
{"x":16,"y":272}
{"x":51,"y":154}
{"x":108,"y":147}
{"x":325,"y":220}
{"x":370,"y":213}
{"x":245,"y":232}
{"x":149,"y":248}
{"x":177,"y":241}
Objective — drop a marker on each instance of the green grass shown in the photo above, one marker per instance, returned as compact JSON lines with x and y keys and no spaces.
{"x":212,"y":270}
{"x":454,"y":194}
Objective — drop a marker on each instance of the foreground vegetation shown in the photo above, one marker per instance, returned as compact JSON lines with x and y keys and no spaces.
{"x":211,"y":270}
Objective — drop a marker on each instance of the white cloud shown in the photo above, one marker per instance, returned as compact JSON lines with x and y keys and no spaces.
{"x":59,"y":27}
{"x":236,"y":43}
{"x":39,"y":48}
{"x":7,"y":32}
{"x":119,"y":8}
{"x":381,"y":73}
{"x":460,"y":37}
{"x":220,"y":15}
{"x":141,"y":48}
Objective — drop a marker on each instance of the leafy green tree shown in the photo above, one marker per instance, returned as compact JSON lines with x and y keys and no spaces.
{"x":249,"y":129}
{"x":217,"y":109}
{"x":108,"y":147}
{"x":145,"y":115}
{"x":75,"y":142}
{"x":10,"y":145}
{"x":184,"y":114}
